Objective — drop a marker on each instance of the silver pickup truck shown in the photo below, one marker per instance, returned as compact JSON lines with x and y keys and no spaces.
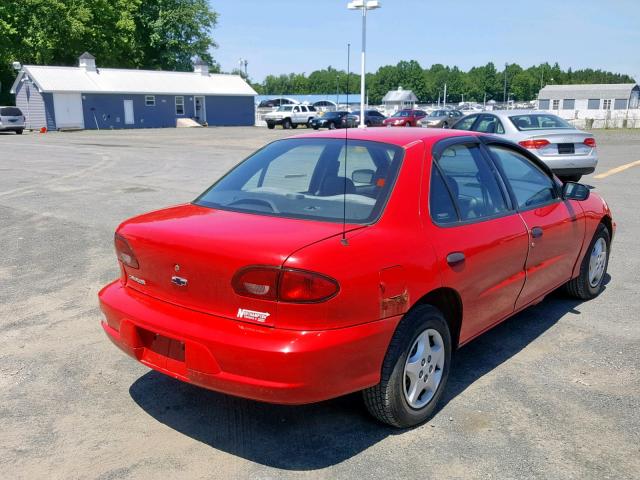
{"x":290,"y":116}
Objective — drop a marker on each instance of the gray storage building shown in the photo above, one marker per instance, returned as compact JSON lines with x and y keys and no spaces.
{"x":621,"y":96}
{"x":89,"y":97}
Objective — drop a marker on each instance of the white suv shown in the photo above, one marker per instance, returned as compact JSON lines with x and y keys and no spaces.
{"x":290,"y":116}
{"x":11,"y":120}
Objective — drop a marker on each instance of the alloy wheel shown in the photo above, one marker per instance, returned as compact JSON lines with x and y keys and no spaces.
{"x":423,"y":368}
{"x":597,"y":262}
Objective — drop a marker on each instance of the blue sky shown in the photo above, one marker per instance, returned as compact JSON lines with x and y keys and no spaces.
{"x":283,"y":36}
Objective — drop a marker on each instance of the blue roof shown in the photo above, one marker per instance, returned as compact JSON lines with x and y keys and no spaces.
{"x":354,"y":98}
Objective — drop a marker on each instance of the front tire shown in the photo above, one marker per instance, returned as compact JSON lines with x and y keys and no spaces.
{"x":593,"y":269}
{"x":271,"y":125}
{"x":286,"y":124}
{"x":19,"y":132}
{"x":415,"y":370}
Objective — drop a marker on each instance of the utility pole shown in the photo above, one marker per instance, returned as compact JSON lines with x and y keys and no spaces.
{"x":243,"y":62}
{"x":504,"y":98}
{"x":445,"y":96}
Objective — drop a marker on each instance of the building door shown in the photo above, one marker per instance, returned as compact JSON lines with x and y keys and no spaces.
{"x":200,"y":109}
{"x":128,"y":112}
{"x":68,"y":110}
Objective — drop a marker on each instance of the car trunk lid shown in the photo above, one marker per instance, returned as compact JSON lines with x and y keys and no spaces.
{"x":188,"y":255}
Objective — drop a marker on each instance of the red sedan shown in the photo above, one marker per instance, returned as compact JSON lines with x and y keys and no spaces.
{"x":405,"y":118}
{"x":319,"y":267}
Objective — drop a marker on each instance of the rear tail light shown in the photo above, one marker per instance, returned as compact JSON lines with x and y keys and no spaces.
{"x":534,"y":144}
{"x":257,"y":282}
{"x":590,"y":142}
{"x":301,"y":286}
{"x":124,"y":252}
{"x":284,"y":285}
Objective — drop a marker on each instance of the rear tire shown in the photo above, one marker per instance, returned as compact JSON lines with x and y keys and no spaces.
{"x":593,"y":269}
{"x":396,"y":400}
{"x":294,"y":125}
{"x":19,"y":132}
{"x":332,"y":126}
{"x":445,"y":125}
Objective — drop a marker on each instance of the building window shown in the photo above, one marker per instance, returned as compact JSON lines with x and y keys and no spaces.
{"x":150,"y":100}
{"x":568,"y":104}
{"x":606,"y":104}
{"x":179,"y":105}
{"x":594,"y":104}
{"x":556,"y":104}
{"x":620,"y":104}
{"x":543,"y":105}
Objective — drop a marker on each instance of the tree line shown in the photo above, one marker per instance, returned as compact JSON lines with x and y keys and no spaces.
{"x":149,"y":34}
{"x":167,"y":34}
{"x":477,"y":84}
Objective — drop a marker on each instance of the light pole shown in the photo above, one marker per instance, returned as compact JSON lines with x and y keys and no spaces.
{"x":363,"y":5}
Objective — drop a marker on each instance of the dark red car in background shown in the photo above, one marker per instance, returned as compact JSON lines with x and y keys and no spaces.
{"x":405,"y":118}
{"x":319,"y":267}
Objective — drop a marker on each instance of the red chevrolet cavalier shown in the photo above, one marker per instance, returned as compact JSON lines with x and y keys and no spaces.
{"x":321,"y":266}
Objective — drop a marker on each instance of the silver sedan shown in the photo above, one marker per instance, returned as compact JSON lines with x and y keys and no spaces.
{"x":569,"y":152}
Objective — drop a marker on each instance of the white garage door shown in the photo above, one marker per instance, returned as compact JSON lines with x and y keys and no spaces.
{"x":68,"y":110}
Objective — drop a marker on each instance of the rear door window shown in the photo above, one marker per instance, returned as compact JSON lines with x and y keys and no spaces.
{"x":466,"y":123}
{"x":441,"y":206}
{"x":472,"y":182}
{"x":530,"y":185}
{"x":489,"y":124}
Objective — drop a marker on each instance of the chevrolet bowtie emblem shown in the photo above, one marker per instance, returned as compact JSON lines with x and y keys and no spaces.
{"x":179,"y":281}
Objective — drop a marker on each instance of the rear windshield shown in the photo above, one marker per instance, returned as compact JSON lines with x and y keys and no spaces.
{"x":10,"y":112}
{"x":308,"y":178}
{"x":539,"y":122}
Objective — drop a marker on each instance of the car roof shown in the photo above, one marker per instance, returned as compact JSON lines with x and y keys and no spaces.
{"x":510,"y":113}
{"x":402,"y":137}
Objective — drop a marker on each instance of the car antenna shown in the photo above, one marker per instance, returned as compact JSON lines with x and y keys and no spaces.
{"x":344,"y":240}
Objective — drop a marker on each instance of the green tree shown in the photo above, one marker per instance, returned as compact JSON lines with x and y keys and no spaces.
{"x":153,"y":34}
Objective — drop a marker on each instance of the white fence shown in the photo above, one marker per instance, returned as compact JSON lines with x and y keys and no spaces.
{"x":601,"y":118}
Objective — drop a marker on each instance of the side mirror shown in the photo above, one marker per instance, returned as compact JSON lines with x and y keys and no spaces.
{"x":575,"y":191}
{"x":363,"y":176}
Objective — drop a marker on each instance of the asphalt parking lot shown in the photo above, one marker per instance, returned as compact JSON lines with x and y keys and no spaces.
{"x":551,"y":393}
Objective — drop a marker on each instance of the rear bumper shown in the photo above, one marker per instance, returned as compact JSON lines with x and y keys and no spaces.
{"x":571,"y":165}
{"x":246,"y":360}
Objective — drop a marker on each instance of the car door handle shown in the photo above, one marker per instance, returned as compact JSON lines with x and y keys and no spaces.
{"x":536,"y":232}
{"x":454,"y":258}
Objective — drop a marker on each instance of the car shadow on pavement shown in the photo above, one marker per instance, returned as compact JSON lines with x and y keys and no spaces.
{"x":316,"y":436}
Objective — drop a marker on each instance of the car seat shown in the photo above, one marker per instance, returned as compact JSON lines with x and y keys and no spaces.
{"x":336,"y":186}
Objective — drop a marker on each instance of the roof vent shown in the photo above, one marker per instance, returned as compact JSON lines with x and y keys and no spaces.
{"x":199,"y":66}
{"x":87,"y":62}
